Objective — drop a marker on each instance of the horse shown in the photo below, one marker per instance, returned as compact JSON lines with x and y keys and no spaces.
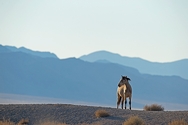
{"x":124,"y":91}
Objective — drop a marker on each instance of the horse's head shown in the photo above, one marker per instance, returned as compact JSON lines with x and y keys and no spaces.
{"x":124,"y":80}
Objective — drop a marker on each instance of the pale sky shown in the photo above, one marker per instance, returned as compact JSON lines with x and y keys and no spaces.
{"x":155,"y":30}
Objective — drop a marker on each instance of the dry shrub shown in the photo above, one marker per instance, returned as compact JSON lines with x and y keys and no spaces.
{"x":134,"y":120}
{"x":51,"y":123}
{"x":153,"y":107}
{"x":6,"y":122}
{"x":90,"y":124}
{"x":101,"y":113}
{"x":26,"y":121}
{"x":178,"y":122}
{"x":23,"y":122}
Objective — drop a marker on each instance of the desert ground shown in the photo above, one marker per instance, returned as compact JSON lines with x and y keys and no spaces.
{"x":80,"y":114}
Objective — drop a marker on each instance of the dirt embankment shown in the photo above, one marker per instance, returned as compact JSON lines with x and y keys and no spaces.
{"x":76,"y":114}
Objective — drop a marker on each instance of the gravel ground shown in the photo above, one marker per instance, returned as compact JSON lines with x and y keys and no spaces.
{"x":77,"y":114}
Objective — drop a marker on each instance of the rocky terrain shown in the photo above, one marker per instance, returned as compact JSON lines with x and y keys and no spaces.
{"x":79,"y":114}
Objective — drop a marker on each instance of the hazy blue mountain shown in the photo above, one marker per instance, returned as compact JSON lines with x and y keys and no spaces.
{"x":25,"y":50}
{"x":75,"y":79}
{"x":4,"y":49}
{"x":178,"y":68}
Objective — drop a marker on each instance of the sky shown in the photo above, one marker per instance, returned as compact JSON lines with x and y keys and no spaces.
{"x":155,"y":30}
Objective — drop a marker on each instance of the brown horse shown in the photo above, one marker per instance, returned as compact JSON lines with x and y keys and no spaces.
{"x":124,"y":91}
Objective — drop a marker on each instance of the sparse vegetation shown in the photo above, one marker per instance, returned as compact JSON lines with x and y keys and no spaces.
{"x":134,"y":120}
{"x":178,"y":122}
{"x":26,"y":121}
{"x":23,"y":122}
{"x":51,"y":123}
{"x":6,"y":122}
{"x":153,"y":107}
{"x":101,"y":113}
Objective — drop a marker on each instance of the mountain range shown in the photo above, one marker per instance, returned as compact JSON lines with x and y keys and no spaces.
{"x":25,"y":50}
{"x":178,"y":68}
{"x":75,"y":79}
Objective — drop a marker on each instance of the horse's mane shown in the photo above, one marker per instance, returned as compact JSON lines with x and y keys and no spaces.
{"x":125,"y":77}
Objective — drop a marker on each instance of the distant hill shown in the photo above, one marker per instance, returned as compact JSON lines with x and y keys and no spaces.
{"x":4,"y":49}
{"x":75,"y":79}
{"x":25,"y":50}
{"x":178,"y":68}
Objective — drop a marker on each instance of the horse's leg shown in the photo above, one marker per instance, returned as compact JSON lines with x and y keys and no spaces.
{"x":130,"y":103}
{"x":118,"y":101}
{"x":125,"y":102}
{"x":122,"y":103}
